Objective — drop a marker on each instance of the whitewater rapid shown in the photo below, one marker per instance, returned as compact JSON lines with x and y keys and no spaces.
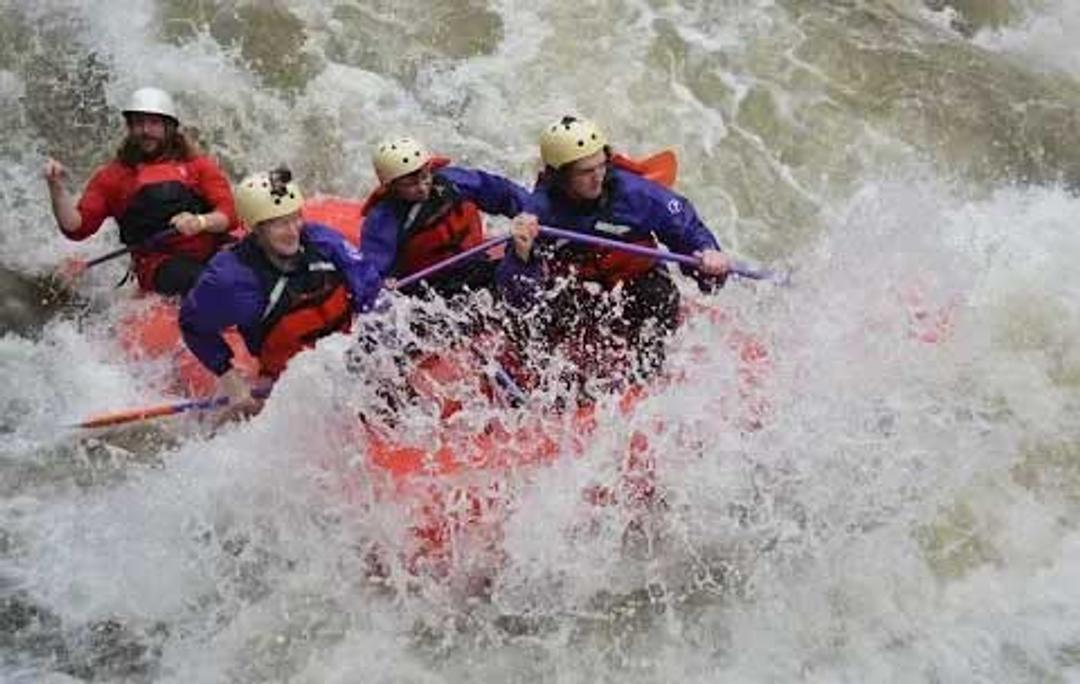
{"x":905,"y":511}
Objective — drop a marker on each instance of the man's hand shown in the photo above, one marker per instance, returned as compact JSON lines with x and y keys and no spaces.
{"x":187,"y":223}
{"x":54,"y":173}
{"x":524,"y":229}
{"x":713,"y":262}
{"x":234,"y":385}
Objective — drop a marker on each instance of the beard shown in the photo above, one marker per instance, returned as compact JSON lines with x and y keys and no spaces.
{"x":141,"y":148}
{"x":138,"y":149}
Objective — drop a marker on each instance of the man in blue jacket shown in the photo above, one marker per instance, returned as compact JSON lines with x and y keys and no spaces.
{"x":287,"y":284}
{"x":632,"y":303}
{"x":425,"y":211}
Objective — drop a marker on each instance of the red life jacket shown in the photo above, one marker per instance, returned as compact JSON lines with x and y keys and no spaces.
{"x":158,"y":191}
{"x":304,"y":305}
{"x":436,"y":229}
{"x":445,"y":225}
{"x":605,"y":265}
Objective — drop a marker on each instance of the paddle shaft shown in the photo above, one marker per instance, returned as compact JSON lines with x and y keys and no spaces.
{"x":121,"y":251}
{"x":738,"y":268}
{"x":108,"y":256}
{"x":146,"y":413}
{"x":452,"y":261}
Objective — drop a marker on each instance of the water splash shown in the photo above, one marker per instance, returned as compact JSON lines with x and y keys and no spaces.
{"x":902,"y":505}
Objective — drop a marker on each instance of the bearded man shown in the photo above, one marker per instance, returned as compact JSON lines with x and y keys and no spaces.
{"x":172,"y":203}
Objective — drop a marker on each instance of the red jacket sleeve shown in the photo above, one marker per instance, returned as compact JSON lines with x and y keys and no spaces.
{"x":93,"y":206}
{"x":214,"y":186}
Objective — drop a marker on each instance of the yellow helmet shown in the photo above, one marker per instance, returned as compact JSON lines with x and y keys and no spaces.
{"x":264,"y":196}
{"x":568,"y":140}
{"x":398,"y":157}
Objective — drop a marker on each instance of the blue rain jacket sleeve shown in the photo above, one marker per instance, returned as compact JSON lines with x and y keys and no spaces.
{"x":379,"y":235}
{"x":227,"y":293}
{"x":491,"y":192}
{"x":362,"y":277}
{"x":648,"y":206}
{"x":673,"y":220}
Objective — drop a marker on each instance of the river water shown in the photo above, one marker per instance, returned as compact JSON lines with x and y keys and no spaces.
{"x":901,"y":506}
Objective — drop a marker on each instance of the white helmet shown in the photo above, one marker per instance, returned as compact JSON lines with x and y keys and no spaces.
{"x":568,"y":140}
{"x":264,"y":196}
{"x":398,"y":157}
{"x":152,"y":101}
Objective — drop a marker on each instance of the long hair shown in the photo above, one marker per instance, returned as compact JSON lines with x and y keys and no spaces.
{"x":177,"y":146}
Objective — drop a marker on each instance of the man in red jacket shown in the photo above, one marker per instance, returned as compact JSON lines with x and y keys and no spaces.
{"x":172,"y":203}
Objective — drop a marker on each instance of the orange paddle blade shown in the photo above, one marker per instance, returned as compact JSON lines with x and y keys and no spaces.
{"x":662,"y":167}
{"x":71,"y":270}
{"x":343,"y":215}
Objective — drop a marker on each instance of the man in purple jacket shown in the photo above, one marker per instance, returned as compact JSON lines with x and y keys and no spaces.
{"x":287,"y":284}
{"x":633,"y":303}
{"x":426,"y":210}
